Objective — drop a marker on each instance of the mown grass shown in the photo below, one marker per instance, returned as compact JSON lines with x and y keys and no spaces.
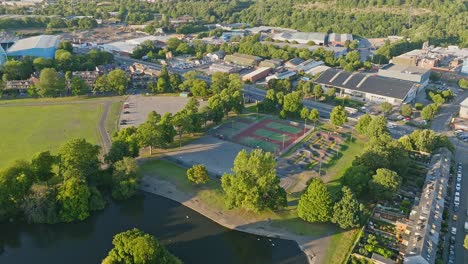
{"x":340,"y":246}
{"x":30,"y":129}
{"x":113,"y":117}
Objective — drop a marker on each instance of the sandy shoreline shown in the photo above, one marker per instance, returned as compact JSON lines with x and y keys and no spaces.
{"x":314,"y":248}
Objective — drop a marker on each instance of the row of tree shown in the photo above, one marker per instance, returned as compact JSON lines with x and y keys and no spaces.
{"x":65,"y":187}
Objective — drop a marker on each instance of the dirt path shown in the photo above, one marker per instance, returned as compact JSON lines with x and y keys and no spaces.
{"x":315,"y":248}
{"x":105,"y":138}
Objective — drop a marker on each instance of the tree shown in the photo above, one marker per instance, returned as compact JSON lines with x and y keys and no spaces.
{"x":42,"y":63}
{"x":16,"y":70}
{"x":15,"y":182}
{"x":377,"y":127}
{"x":384,"y":183}
{"x":198,"y":174}
{"x":331,"y":92}
{"x":118,"y":151}
{"x":134,"y":246}
{"x":78,"y":86}
{"x":149,"y":135}
{"x":124,"y":178}
{"x":363,"y":123}
{"x":65,"y":45}
{"x":73,"y":199}
{"x":357,"y":179}
{"x":305,"y":113}
{"x":129,"y":136}
{"x":406,"y":110}
{"x":79,"y":158}
{"x":292,"y":103}
{"x":463,"y":83}
{"x":315,"y":204}
{"x":41,"y":165}
{"x":117,"y":81}
{"x":199,"y":88}
{"x":50,"y":83}
{"x":167,"y":128}
{"x":346,"y":212}
{"x":429,"y":112}
{"x":386,"y":107}
{"x":254,"y":184}
{"x":338,"y":116}
{"x":438,"y":99}
{"x":317,"y":91}
{"x":40,"y":205}
{"x":314,"y":115}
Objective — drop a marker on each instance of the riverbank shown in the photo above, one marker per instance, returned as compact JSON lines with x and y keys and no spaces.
{"x":313,"y":247}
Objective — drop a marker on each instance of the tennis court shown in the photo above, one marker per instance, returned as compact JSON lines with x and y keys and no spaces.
{"x":265,"y":132}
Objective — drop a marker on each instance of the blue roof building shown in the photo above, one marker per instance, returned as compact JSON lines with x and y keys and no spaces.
{"x":3,"y":56}
{"x":38,"y":46}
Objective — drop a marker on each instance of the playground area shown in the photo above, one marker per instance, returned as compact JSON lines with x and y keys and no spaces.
{"x":314,"y":153}
{"x":263,"y":132}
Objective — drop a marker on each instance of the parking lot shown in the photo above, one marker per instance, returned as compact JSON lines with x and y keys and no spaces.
{"x":139,"y":106}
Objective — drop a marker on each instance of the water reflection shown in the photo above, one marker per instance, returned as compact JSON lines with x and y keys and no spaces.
{"x":187,"y":234}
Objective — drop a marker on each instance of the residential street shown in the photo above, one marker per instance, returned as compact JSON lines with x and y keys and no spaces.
{"x":440,"y":124}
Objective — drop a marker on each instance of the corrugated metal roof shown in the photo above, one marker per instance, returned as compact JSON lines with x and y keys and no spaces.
{"x":379,"y":85}
{"x":37,"y":42}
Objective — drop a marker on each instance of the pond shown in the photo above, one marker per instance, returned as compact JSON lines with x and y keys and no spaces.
{"x":187,"y":234}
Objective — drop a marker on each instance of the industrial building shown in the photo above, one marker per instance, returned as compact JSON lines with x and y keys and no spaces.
{"x":243,"y":59}
{"x":272,"y":63}
{"x":256,"y":75}
{"x":426,"y":214}
{"x":38,"y":46}
{"x":406,"y":72}
{"x":302,"y":37}
{"x":3,"y":56}
{"x":281,"y":75}
{"x":368,"y":88}
{"x":218,"y":67}
{"x":339,"y":39}
{"x":127,"y":46}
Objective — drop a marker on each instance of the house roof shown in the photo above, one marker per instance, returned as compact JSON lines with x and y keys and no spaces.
{"x":464,"y":103}
{"x":37,"y":42}
{"x":367,"y":83}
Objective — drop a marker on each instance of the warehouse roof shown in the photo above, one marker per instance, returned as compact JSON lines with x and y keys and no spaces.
{"x":378,"y":85}
{"x":464,"y":103}
{"x":37,"y":42}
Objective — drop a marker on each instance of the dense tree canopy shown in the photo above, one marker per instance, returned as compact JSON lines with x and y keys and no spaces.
{"x":254,"y":184}
{"x":136,"y":247}
{"x":315,"y":204}
{"x":346,"y":212}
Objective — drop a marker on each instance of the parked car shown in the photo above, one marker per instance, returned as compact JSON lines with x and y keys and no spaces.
{"x":456,"y":208}
{"x":454,"y":230}
{"x":126,"y":112}
{"x":454,"y":217}
{"x":458,"y":187}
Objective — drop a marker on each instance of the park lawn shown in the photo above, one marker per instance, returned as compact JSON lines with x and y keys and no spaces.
{"x":30,"y":129}
{"x":113,"y":117}
{"x":211,"y":194}
{"x":336,"y":169}
{"x":340,"y":246}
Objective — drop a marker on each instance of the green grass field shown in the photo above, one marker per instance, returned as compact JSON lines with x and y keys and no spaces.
{"x":284,"y":127}
{"x":30,"y":129}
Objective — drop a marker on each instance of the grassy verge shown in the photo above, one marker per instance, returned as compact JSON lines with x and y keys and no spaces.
{"x":113,"y":117}
{"x":340,"y":246}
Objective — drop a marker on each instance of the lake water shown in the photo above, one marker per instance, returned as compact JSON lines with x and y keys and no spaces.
{"x":187,"y":234}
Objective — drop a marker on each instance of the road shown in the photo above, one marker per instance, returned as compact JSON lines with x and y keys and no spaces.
{"x":461,"y":255}
{"x":440,"y":124}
